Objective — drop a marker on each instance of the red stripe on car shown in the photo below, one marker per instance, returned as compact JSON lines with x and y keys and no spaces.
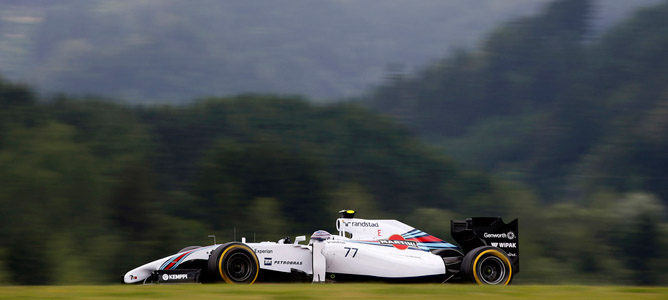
{"x":176,"y":260}
{"x":428,"y":238}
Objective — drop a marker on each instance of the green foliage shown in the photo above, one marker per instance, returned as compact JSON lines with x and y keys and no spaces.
{"x":12,"y":95}
{"x":352,"y":195}
{"x":49,"y":180}
{"x":433,"y":220}
{"x":99,"y":184}
{"x":580,"y":122}
{"x":89,"y":183}
{"x":266,"y":220}
{"x":335,"y":291}
{"x":234,"y":176}
{"x":544,"y":102}
{"x":640,"y":238}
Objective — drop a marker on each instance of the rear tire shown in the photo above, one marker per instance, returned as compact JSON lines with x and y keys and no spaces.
{"x":487,"y":265}
{"x":234,"y":263}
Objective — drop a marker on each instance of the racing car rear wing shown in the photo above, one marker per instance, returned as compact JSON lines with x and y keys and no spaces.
{"x":488,"y":231}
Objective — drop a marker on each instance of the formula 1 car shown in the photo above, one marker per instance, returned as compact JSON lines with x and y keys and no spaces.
{"x":363,"y":250}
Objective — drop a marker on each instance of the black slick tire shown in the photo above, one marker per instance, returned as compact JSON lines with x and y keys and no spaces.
{"x":487,"y":266}
{"x":234,"y":263}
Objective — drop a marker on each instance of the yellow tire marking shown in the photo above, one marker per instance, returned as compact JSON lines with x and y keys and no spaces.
{"x":497,"y":254}
{"x":220,"y":263}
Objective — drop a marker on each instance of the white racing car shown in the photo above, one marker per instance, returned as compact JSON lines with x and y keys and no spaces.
{"x":376,"y":250}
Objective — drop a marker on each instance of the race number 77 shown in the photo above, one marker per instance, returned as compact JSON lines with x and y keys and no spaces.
{"x":348,"y":252}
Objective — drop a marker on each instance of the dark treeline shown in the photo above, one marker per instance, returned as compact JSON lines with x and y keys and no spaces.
{"x":579,"y":119}
{"x":90,"y":189}
{"x":546,"y":102}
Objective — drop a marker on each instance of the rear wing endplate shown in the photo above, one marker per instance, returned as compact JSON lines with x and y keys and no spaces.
{"x":488,"y":231}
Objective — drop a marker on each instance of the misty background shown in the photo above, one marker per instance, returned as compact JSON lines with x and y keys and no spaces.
{"x":131,"y":129}
{"x":174,"y":51}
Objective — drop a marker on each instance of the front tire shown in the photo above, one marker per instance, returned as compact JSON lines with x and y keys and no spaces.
{"x":487,"y":265}
{"x":234,"y":263}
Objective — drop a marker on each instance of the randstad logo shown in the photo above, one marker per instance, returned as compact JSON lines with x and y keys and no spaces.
{"x":360,"y":224}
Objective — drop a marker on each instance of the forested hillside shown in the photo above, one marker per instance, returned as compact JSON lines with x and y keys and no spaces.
{"x":91,"y":188}
{"x":172,"y":51}
{"x":542,"y":103}
{"x":87,"y":182}
{"x":546,"y":122}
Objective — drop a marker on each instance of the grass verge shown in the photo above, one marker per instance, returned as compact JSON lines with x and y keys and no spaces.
{"x":330,"y":291}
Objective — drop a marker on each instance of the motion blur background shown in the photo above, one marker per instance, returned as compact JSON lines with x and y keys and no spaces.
{"x":131,"y":129}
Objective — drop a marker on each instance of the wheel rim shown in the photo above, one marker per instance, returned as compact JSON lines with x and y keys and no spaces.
{"x":238,"y":266}
{"x":491,"y":270}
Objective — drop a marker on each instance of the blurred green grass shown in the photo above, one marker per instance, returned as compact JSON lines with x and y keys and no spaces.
{"x":330,"y":291}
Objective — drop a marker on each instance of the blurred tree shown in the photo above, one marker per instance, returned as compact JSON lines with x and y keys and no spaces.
{"x":16,"y":107}
{"x":353,"y":196}
{"x":234,"y":174}
{"x":132,"y":203}
{"x":13,"y":95}
{"x":639,"y":241}
{"x":564,"y":229}
{"x":265,"y":220}
{"x":86,"y":182}
{"x":433,"y":220}
{"x":49,"y":183}
{"x":542,"y":101}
